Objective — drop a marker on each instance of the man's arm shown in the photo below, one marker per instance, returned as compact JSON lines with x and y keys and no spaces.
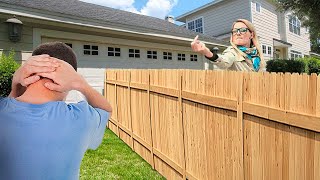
{"x":94,"y":98}
{"x":26,"y":74}
{"x":65,"y":79}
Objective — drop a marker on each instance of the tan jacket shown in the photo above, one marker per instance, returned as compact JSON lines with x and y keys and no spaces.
{"x":229,"y":60}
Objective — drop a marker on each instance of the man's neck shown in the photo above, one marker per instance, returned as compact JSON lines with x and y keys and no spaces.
{"x":38,"y":94}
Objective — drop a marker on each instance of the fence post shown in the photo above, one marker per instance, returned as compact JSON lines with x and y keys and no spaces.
{"x":151,"y":132}
{"x":116,"y":102}
{"x":184,"y":174}
{"x":130,"y":112}
{"x":241,"y":120}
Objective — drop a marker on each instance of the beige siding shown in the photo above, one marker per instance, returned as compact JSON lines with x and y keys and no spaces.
{"x":266,"y":23}
{"x":24,"y":45}
{"x":300,"y":43}
{"x":219,"y":18}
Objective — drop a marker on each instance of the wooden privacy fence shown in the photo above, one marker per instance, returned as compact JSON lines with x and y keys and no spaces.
{"x":192,"y":124}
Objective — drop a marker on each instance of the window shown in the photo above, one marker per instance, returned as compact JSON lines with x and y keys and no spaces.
{"x":307,"y":30}
{"x":181,"y":57}
{"x":68,"y":44}
{"x":134,"y":53}
{"x":112,"y":51}
{"x":196,"y":25}
{"x":258,"y":7}
{"x":269,"y":50}
{"x":167,"y":55}
{"x":295,"y":54}
{"x":264,"y":49}
{"x":193,"y":57}
{"x":294,"y":25}
{"x":90,"y":50}
{"x":152,"y":54}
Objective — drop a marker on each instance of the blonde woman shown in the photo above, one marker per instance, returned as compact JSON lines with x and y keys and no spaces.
{"x":244,"y":54}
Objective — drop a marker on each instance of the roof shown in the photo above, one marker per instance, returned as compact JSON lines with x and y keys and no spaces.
{"x":107,"y":16}
{"x":182,"y":18}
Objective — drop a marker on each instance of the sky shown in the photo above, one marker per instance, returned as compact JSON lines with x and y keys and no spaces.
{"x":154,"y":8}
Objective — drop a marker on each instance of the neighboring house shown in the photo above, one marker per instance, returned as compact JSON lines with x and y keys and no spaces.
{"x":281,"y":34}
{"x":102,"y":37}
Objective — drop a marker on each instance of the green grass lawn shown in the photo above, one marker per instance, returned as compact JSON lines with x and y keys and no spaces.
{"x":115,"y":160}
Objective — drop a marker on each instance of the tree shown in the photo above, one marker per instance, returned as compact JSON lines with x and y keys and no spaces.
{"x":308,"y":11}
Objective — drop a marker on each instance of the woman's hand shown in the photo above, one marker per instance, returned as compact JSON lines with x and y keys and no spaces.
{"x":200,"y":47}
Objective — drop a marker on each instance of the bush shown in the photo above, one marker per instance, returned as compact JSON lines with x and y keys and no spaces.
{"x":7,"y":67}
{"x":295,"y":66}
{"x":313,"y":65}
{"x":284,"y":65}
{"x":276,"y":65}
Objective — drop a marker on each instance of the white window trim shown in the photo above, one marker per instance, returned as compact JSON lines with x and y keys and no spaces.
{"x":307,"y":30}
{"x":267,"y":47}
{"x":297,"y":19}
{"x":194,"y":20}
{"x":256,"y":3}
{"x":262,"y":49}
{"x":296,"y":53}
{"x":270,"y":50}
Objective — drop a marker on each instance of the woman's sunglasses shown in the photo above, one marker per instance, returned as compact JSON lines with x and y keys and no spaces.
{"x":239,"y":31}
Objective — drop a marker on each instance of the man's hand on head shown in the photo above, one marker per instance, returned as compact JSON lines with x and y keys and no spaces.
{"x":27,"y":73}
{"x":64,"y":78}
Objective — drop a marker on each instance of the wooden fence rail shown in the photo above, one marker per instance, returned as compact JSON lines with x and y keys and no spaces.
{"x":191,"y":124}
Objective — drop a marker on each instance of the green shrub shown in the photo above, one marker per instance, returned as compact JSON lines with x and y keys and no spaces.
{"x":313,"y":65}
{"x":7,"y":67}
{"x":295,"y":66}
{"x":277,"y":65}
{"x":284,"y":65}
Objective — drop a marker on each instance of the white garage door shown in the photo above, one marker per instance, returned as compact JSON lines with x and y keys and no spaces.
{"x":91,"y":67}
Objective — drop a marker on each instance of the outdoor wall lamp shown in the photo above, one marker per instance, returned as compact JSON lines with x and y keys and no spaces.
{"x":14,"y":29}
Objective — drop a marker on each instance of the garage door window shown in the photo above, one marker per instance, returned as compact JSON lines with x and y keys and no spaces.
{"x":112,"y":51}
{"x":167,"y":55}
{"x":69,"y":44}
{"x":181,"y":57}
{"x":152,"y":54}
{"x":90,"y":50}
{"x":193,"y":57}
{"x":134,"y":53}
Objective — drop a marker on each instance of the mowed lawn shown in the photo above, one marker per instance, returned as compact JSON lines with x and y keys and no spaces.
{"x":115,"y":160}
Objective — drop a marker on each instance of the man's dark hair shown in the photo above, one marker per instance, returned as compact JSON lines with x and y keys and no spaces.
{"x":58,"y":50}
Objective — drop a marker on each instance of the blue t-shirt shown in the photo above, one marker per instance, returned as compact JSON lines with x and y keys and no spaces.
{"x":47,"y":141}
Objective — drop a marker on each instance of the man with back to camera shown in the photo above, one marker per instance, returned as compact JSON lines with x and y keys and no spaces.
{"x":42,"y":137}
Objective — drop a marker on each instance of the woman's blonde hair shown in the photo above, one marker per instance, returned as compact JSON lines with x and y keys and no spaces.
{"x":254,"y":41}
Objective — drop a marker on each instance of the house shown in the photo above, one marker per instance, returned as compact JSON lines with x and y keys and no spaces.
{"x":102,"y":37}
{"x":280,"y":33}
